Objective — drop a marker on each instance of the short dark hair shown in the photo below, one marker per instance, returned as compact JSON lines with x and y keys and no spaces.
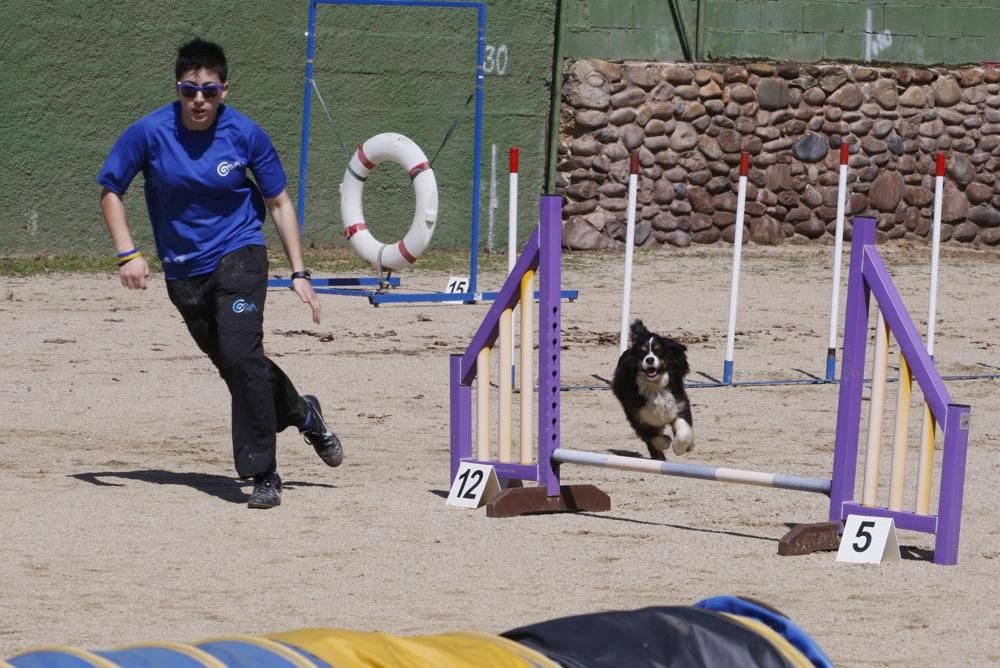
{"x":200,"y":54}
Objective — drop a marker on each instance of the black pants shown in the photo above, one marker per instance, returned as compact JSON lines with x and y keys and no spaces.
{"x":224,"y":311}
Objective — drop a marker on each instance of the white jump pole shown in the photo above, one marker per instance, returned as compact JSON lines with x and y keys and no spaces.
{"x":838,"y":251}
{"x":483,"y":405}
{"x":873,"y":448}
{"x":527,"y":371}
{"x":741,"y":199}
{"x":927,"y":431}
{"x":899,"y":440}
{"x":633,"y":189}
{"x":493,"y":198}
{"x":505,"y":384}
{"x":701,"y":472}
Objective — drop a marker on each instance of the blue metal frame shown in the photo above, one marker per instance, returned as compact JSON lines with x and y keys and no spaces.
{"x":377,"y":297}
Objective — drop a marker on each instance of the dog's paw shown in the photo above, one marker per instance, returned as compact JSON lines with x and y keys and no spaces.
{"x":657,"y":446}
{"x":683,"y":438}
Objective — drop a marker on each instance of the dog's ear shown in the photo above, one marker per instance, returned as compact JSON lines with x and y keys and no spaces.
{"x":678,"y":357}
{"x":638,"y":331}
{"x":676,"y":346}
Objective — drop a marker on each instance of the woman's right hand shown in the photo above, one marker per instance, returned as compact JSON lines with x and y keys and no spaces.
{"x":133,"y":274}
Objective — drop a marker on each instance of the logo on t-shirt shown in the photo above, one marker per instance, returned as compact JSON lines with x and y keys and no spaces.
{"x":225,"y":167}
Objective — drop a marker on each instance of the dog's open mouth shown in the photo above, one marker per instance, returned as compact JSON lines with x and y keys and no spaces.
{"x":652,"y":372}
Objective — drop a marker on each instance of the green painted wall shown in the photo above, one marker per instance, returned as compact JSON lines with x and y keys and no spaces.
{"x":628,"y":29}
{"x":77,"y":72}
{"x":923,"y":32}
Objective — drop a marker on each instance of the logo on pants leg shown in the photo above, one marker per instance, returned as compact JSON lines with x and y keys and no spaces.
{"x":243,"y":306}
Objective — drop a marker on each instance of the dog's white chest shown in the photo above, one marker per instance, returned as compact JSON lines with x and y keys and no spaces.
{"x":660,"y":409}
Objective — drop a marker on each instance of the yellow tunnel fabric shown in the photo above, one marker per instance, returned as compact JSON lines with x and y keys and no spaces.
{"x":790,"y":653}
{"x":461,"y":649}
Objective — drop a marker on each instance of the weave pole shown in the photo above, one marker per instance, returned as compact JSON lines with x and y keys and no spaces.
{"x":838,"y":251}
{"x":512,"y":228}
{"x":512,"y":209}
{"x":734,"y":288}
{"x":927,"y":431}
{"x":633,"y":188}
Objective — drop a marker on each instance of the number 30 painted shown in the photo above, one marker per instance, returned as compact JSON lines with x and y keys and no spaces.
{"x":495,"y":59}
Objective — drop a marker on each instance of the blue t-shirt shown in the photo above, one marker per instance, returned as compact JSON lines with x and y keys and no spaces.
{"x":201,"y":200}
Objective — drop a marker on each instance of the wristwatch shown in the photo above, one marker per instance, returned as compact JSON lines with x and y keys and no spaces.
{"x":302,"y":274}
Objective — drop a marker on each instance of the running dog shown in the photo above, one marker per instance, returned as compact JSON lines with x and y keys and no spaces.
{"x":649,"y":384}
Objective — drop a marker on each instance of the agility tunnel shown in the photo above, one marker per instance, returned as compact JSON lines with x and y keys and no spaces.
{"x":945,"y":421}
{"x":718,"y":631}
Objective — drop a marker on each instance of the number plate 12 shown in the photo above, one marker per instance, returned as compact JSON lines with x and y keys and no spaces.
{"x":474,"y":485}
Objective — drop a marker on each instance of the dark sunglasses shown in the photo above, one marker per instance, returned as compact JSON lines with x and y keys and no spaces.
{"x":209,"y":90}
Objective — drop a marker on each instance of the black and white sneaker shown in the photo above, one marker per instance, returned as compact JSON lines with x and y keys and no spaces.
{"x":324,"y":441}
{"x":266,"y":491}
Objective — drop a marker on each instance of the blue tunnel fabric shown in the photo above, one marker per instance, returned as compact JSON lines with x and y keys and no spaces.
{"x":778,"y":622}
{"x":150,"y":657}
{"x":54,"y":658}
{"x":242,"y":653}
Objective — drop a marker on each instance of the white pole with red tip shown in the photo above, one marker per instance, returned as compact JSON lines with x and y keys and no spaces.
{"x":512,"y":237}
{"x":741,"y":200}
{"x":838,"y":251}
{"x":633,"y":188}
{"x":935,"y":251}
{"x":928,"y":428}
{"x":512,"y":212}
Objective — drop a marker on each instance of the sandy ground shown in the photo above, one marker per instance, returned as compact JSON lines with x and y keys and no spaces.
{"x":123,"y":520}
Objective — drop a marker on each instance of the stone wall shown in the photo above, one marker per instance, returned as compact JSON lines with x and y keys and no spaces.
{"x":690,"y":124}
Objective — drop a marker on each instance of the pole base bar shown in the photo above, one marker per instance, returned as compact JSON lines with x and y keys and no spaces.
{"x":809,"y":538}
{"x":572,"y":498}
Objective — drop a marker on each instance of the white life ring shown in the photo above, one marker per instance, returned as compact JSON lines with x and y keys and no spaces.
{"x":403,"y":151}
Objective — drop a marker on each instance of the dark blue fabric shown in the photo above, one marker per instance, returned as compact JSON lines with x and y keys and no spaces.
{"x":654,"y":637}
{"x":777,"y":622}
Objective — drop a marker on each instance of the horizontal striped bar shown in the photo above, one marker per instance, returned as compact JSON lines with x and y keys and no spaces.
{"x":791,"y":482}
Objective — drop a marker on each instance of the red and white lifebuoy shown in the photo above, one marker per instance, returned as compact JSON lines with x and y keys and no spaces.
{"x":404,"y":152}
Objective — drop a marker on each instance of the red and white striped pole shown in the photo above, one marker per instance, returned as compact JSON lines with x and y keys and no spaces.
{"x":741,"y":200}
{"x":838,"y":251}
{"x":633,"y":188}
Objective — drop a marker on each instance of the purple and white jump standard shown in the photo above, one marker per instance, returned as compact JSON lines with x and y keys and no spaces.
{"x":868,"y":277}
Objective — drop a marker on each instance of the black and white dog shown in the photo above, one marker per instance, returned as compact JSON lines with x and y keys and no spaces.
{"x":649,"y":383}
